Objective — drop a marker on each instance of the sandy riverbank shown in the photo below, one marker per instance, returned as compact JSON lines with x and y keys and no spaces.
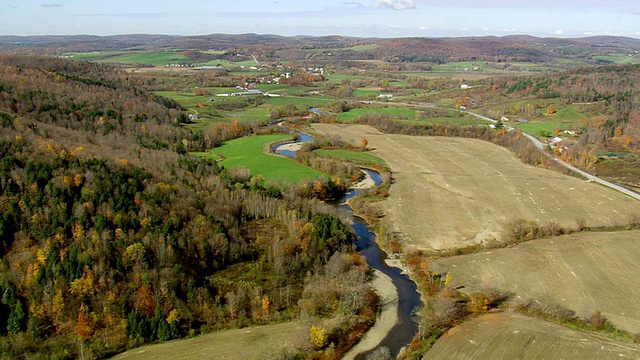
{"x":365,"y":183}
{"x":386,"y":320}
{"x":292,"y":146}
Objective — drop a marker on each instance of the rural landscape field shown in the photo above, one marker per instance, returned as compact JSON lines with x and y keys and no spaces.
{"x":512,"y":336}
{"x":319,"y":197}
{"x":453,"y":192}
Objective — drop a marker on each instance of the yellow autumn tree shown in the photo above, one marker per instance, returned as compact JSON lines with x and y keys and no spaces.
{"x":318,"y":336}
{"x":551,"y":109}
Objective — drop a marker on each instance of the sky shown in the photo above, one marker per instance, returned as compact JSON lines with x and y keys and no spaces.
{"x":361,"y":18}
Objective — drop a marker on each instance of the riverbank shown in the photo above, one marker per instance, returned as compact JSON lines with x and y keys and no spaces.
{"x":366,"y":183}
{"x":387,"y":319}
{"x":292,"y":146}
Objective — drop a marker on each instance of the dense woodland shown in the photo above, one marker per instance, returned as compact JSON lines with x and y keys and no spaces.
{"x":111,"y":235}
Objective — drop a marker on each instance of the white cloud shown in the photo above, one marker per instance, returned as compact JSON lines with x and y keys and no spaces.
{"x":395,"y":4}
{"x":51,"y":5}
{"x":559,"y":32}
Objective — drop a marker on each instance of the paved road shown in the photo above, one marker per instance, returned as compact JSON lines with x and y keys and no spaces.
{"x":591,"y":177}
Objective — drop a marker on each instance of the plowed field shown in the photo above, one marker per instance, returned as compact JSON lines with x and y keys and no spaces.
{"x":513,"y":336}
{"x":452,"y":192}
{"x":584,"y":272}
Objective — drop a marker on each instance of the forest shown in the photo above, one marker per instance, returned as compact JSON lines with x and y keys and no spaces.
{"x":112,"y":235}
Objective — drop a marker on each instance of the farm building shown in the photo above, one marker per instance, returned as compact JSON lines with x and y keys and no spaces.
{"x":248,"y":92}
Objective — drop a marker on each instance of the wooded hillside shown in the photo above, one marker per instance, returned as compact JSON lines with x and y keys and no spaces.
{"x":111,"y":235}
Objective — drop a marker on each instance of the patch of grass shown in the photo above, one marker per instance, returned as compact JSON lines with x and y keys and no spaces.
{"x":249,"y":152}
{"x":155,"y":58}
{"x":94,"y":56}
{"x":358,"y":157}
{"x":535,"y":128}
{"x":364,"y":47}
{"x":299,"y":101}
{"x":350,"y":115}
{"x":619,"y":58}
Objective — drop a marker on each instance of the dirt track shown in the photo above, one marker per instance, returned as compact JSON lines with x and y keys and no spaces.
{"x":452,"y":192}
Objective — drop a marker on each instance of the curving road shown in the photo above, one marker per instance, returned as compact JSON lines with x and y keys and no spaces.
{"x":540,"y":145}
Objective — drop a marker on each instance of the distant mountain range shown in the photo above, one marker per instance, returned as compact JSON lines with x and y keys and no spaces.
{"x":274,"y":47}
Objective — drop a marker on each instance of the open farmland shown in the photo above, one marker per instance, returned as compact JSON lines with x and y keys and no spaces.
{"x":583,"y":272}
{"x":514,"y":336}
{"x":249,"y":343}
{"x":452,"y":192}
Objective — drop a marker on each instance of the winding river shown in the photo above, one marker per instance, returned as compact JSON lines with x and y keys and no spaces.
{"x":408,"y":297}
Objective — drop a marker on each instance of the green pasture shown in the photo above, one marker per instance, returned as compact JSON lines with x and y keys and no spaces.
{"x":535,"y":128}
{"x":364,"y":93}
{"x":249,"y":152}
{"x":399,"y":83}
{"x":350,"y":115}
{"x":335,"y":77}
{"x":155,"y":58}
{"x":95,"y":56}
{"x":358,"y":157}
{"x":299,"y":101}
{"x":214,"y":52}
{"x":258,"y":113}
{"x":359,"y":48}
{"x":285,"y":89}
{"x":618,"y":58}
{"x":564,"y":112}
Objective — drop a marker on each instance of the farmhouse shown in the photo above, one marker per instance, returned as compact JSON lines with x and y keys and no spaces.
{"x":504,"y":119}
{"x":464,"y":86}
{"x":385,"y":96}
{"x":557,"y":143}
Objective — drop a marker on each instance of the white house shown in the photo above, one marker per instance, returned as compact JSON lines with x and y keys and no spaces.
{"x":464,"y":86}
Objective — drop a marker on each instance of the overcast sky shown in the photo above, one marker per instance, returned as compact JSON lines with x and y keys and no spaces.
{"x":364,"y":18}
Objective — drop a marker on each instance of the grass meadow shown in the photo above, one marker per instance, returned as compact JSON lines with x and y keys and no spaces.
{"x":249,"y":152}
{"x":358,"y":157}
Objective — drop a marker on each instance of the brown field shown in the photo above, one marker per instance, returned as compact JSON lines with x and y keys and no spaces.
{"x":248,"y":343}
{"x":514,"y":336}
{"x":452,"y":192}
{"x":584,"y":272}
